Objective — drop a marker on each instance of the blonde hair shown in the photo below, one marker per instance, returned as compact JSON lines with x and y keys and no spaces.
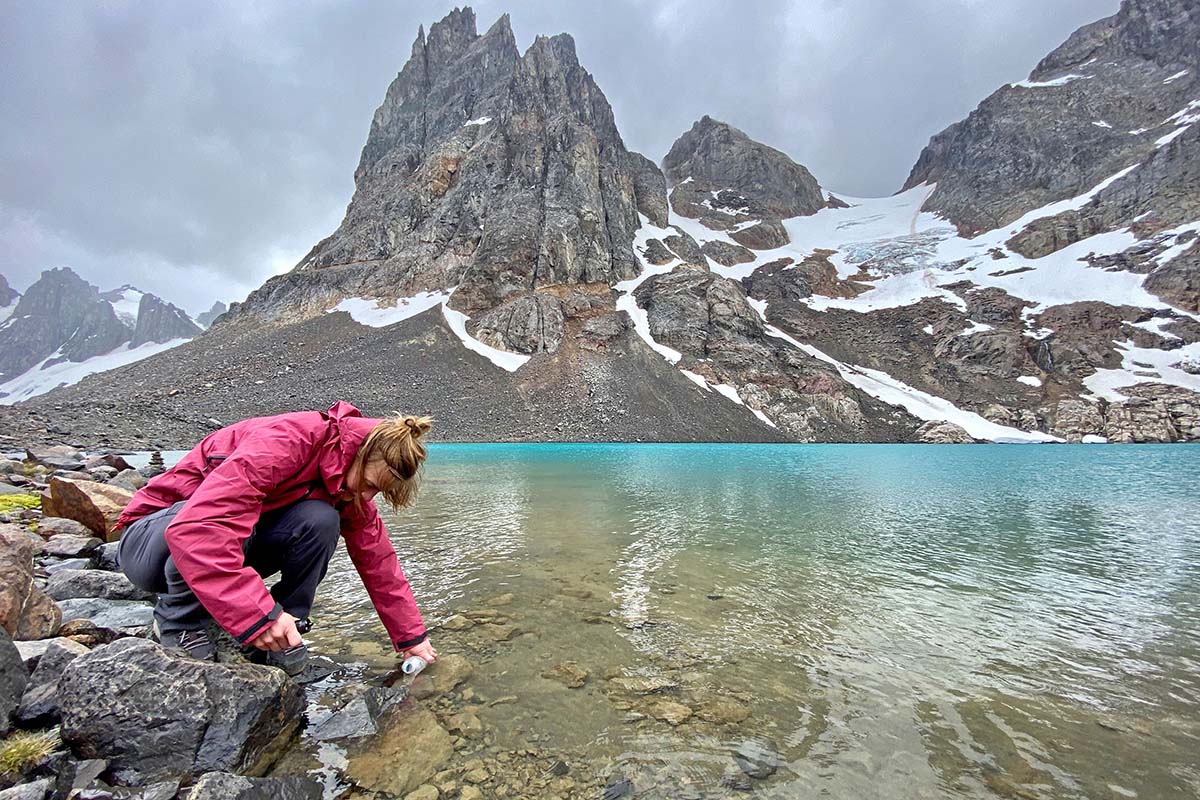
{"x":396,"y":441}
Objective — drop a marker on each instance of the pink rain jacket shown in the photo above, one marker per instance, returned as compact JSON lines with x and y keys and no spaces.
{"x":257,"y":465}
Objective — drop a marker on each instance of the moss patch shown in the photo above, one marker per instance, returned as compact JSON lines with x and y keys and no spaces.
{"x":17,"y":502}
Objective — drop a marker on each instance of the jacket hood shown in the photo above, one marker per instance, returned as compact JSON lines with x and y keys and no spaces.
{"x":348,"y":429}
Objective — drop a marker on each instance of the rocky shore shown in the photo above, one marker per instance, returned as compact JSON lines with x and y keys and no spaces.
{"x":91,"y":708}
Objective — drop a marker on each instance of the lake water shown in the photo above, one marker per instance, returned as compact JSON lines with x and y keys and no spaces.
{"x":899,"y":621}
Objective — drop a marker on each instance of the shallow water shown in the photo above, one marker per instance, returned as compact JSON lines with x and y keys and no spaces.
{"x":900,"y":621}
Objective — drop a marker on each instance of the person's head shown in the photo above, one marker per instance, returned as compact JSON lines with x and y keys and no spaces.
{"x":389,"y":461}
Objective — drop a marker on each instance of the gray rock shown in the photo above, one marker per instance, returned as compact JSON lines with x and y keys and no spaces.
{"x":727,"y":254}
{"x":8,"y":466}
{"x":154,"y":715}
{"x":6,"y":488}
{"x":82,"y":583}
{"x":530,"y":323}
{"x":32,"y":651}
{"x":14,"y":677}
{"x":52,"y":526}
{"x":757,"y":758}
{"x":107,"y":556}
{"x":39,"y":703}
{"x":941,"y":432}
{"x":209,"y":317}
{"x":56,"y":457}
{"x":361,"y":716}
{"x":129,"y":479}
{"x":102,"y":474}
{"x":37,"y":790}
{"x":110,"y":460}
{"x":68,"y":564}
{"x":224,"y":786}
{"x":119,"y":614}
{"x":69,"y":545}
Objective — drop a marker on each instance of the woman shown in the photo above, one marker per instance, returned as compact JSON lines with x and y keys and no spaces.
{"x":267,"y":495}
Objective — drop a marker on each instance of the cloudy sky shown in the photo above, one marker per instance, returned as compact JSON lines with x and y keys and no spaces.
{"x":196,"y":148}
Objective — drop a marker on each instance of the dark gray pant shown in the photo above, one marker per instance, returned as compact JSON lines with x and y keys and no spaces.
{"x":296,"y":541}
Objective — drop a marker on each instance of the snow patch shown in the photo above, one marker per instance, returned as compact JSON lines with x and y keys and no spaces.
{"x":372,"y":313}
{"x":696,"y":379}
{"x":126,"y":306}
{"x":976,"y":327}
{"x":626,"y":301}
{"x":1176,"y":76}
{"x":1092,"y":438}
{"x":477,"y":121}
{"x":1144,"y":365}
{"x":1060,"y":81}
{"x":1101,"y":124}
{"x":41,"y":378}
{"x":1030,"y":380}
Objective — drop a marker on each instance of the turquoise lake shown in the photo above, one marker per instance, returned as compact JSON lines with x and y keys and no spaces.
{"x":898,"y":621}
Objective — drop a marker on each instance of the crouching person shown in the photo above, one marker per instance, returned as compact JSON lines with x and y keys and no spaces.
{"x":267,"y":496}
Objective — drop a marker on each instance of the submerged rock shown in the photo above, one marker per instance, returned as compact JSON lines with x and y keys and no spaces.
{"x":568,"y":673}
{"x":361,"y":716}
{"x":409,"y":749}
{"x":441,"y":676}
{"x":758,"y":759}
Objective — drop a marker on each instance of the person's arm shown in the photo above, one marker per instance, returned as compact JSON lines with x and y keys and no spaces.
{"x":206,"y":535}
{"x":377,"y":565}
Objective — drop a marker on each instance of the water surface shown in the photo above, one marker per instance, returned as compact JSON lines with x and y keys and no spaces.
{"x":900,"y":621}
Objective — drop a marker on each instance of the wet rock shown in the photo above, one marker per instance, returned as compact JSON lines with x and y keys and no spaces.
{"x":425,"y":792}
{"x":95,"y":505}
{"x":39,"y":703}
{"x":465,"y":724}
{"x":361,"y":716}
{"x":616,"y":788}
{"x":26,"y":612}
{"x":83,"y":583}
{"x":225,"y":786}
{"x":157,"y":715}
{"x":568,"y":673}
{"x":457,"y":623}
{"x":66,"y":545}
{"x":410,"y":748}
{"x":501,"y":600}
{"x":641,"y":685}
{"x":441,"y":676}
{"x":499,"y":632}
{"x":758,"y":759}
{"x":721,"y":711}
{"x":14,"y":678}
{"x":119,"y":614}
{"x":669,"y":711}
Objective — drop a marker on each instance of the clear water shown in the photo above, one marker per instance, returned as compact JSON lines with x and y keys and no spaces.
{"x":900,"y":621}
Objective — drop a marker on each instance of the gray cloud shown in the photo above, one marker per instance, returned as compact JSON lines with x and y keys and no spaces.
{"x":195,"y":149}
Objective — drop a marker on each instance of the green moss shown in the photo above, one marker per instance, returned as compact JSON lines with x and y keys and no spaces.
{"x":16,"y":502}
{"x":21,"y":751}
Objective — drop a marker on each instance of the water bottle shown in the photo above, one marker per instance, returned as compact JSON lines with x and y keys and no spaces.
{"x":412,"y":665}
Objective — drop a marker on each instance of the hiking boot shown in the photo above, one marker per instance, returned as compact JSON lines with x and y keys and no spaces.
{"x":292,"y":660}
{"x":194,"y":643}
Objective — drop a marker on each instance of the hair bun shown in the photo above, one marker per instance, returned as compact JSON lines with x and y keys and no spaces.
{"x":418,"y":426}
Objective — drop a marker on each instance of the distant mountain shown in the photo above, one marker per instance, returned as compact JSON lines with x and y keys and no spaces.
{"x":509,"y":266}
{"x":63,"y":328}
{"x":208,"y":317}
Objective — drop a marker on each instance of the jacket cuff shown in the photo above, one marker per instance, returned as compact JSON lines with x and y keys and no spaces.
{"x":257,"y":627}
{"x":407,"y":643}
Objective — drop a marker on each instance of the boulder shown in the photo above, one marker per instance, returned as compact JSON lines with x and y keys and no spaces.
{"x":758,"y":759}
{"x":129,"y":479}
{"x":225,"y":786}
{"x":96,"y":505}
{"x":411,"y":747}
{"x":68,"y":564}
{"x":67,"y":584}
{"x":360,"y":717}
{"x":39,"y":703}
{"x":941,"y":432}
{"x":156,"y":715}
{"x":68,"y":545}
{"x":26,"y":612}
{"x":108,"y":460}
{"x":33,"y":650}
{"x":441,"y":676}
{"x":56,"y":457}
{"x":37,"y":790}
{"x":118,"y":614}
{"x":14,"y":677}
{"x":107,"y":557}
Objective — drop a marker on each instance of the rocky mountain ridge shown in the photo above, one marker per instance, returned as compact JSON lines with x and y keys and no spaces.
{"x":508,"y":265}
{"x":61,"y":318}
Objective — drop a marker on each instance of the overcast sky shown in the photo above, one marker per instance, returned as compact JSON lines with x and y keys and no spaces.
{"x":196,"y":148}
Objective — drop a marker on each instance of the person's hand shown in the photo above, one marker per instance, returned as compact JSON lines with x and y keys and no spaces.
{"x":424,"y":650}
{"x":280,"y":635}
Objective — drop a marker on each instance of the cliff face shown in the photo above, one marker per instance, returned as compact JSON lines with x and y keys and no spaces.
{"x":60,"y":313}
{"x":486,"y":171}
{"x":160,"y":321}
